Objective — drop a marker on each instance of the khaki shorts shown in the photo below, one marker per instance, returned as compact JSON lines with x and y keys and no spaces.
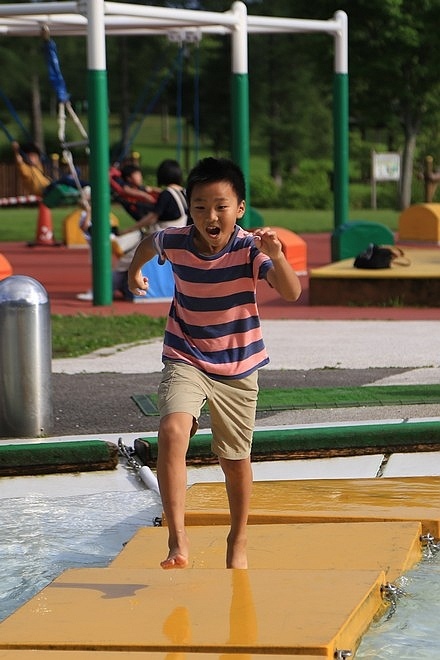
{"x":232,"y":404}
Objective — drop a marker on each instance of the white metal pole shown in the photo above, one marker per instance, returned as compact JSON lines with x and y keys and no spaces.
{"x":99,"y":153}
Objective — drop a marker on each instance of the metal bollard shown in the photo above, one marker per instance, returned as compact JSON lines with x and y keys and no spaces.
{"x":25,"y":359}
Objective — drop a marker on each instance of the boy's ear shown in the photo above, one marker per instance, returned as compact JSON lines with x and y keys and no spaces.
{"x":241,"y":209}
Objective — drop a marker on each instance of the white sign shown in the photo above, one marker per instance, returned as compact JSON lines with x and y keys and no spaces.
{"x":386,"y":167}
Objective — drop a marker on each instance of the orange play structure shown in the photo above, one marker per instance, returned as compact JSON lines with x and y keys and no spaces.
{"x":5,"y":267}
{"x":420,"y":222}
{"x":294,"y":248}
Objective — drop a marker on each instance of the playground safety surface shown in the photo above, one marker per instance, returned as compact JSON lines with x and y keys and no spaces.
{"x":65,"y":272}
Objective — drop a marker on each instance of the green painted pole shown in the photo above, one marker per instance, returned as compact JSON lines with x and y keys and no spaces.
{"x":340,"y":133}
{"x":340,"y":129}
{"x":97,"y":94}
{"x":240,"y":130}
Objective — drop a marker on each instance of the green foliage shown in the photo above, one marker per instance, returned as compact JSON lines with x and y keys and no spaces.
{"x":81,"y":334}
{"x":309,"y":187}
{"x":394,"y":90}
{"x":387,"y":196}
{"x":264,"y":191}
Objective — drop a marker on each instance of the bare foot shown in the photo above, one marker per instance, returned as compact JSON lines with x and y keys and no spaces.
{"x":236,"y":555}
{"x":175,"y":560}
{"x":178,"y":551}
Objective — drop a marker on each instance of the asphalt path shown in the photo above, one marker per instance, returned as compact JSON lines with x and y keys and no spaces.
{"x":92,"y":394}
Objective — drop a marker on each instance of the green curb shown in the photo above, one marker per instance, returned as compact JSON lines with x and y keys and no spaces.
{"x":48,"y":457}
{"x":271,"y":443}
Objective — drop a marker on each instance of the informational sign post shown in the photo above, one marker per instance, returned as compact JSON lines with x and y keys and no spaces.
{"x":384,"y":167}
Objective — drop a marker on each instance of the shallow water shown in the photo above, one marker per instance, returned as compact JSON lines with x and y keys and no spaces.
{"x":43,"y":536}
{"x":413,"y":631}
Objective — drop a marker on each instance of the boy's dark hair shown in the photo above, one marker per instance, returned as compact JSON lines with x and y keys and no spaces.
{"x":128,"y":170}
{"x":169,"y":172}
{"x":210,"y":170}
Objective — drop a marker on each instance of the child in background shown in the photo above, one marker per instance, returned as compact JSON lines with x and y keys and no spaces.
{"x":30,"y":168}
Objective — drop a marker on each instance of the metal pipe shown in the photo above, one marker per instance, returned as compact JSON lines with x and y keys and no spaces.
{"x":25,"y":359}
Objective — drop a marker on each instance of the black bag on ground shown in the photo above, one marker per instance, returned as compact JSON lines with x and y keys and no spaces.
{"x":380,"y":256}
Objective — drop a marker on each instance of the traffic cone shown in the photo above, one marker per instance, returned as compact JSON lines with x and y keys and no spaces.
{"x":45,"y":235}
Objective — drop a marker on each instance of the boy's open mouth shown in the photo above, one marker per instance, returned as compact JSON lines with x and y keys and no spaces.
{"x":213,"y":231}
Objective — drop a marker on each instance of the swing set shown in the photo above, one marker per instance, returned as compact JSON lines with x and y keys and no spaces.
{"x":146,"y":103}
{"x":68,"y":189}
{"x":95,"y":19}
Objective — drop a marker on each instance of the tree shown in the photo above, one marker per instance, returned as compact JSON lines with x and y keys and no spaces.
{"x":392,"y":62}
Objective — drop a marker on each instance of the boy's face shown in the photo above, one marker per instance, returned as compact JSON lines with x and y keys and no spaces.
{"x":214,"y":208}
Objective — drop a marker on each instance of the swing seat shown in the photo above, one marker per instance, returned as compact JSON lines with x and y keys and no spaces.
{"x":60,"y":194}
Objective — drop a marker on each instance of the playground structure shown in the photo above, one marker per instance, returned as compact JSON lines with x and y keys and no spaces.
{"x":421,"y":222}
{"x":95,"y":19}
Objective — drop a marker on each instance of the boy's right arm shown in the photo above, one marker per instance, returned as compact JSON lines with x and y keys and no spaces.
{"x":137,"y":283}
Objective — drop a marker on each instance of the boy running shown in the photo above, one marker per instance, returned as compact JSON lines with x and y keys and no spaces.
{"x":213,"y":345}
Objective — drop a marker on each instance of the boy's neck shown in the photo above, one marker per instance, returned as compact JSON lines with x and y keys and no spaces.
{"x":204,"y":248}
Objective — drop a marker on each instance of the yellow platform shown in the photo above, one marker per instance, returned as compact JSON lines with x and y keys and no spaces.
{"x":73,"y":235}
{"x":313,"y":587}
{"x":418,"y":284}
{"x":208,"y":610}
{"x":390,"y":547}
{"x":420,"y":222}
{"x":30,"y":654}
{"x":328,"y":500}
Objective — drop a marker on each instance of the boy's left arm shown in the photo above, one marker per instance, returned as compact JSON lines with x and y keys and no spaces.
{"x":282,"y":276}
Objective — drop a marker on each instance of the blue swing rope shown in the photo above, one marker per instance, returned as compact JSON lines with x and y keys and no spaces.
{"x":6,"y":132}
{"x":148,"y":110}
{"x":54,"y":71}
{"x":16,"y":118}
{"x":179,"y":103}
{"x":196,"y":107}
{"x":56,"y":79}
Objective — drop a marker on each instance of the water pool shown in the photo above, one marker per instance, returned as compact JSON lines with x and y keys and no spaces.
{"x":42,"y":536}
{"x":412,"y":632}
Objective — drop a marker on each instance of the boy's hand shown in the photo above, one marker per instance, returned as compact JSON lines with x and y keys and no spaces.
{"x":267,"y":241}
{"x":138,"y":284}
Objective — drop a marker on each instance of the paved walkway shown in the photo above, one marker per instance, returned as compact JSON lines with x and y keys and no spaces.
{"x":92,"y":394}
{"x":303,"y":345}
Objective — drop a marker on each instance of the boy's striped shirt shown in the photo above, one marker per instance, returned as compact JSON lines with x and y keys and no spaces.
{"x":213,"y":322}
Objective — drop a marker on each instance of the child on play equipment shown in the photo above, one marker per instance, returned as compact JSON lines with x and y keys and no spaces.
{"x":30,"y":168}
{"x":170,"y":210}
{"x":213,"y":345}
{"x":128,"y":186}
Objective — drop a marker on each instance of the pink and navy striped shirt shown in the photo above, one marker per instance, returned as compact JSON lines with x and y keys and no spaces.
{"x":213,"y":323}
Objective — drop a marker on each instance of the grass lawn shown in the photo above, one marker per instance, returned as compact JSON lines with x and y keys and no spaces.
{"x":19,"y":224}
